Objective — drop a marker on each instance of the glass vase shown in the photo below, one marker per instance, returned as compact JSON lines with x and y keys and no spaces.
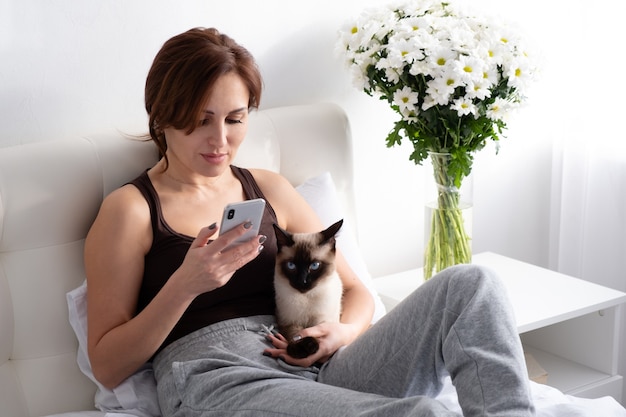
{"x":448,"y":219}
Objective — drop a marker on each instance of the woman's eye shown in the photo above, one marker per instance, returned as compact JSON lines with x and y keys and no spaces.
{"x":315,"y":266}
{"x":204,"y":122}
{"x":233,"y":121}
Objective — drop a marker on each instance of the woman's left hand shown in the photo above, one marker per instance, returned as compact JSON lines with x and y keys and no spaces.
{"x":331,"y":336}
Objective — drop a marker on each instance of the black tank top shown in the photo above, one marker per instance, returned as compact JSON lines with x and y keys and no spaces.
{"x":249,"y":292}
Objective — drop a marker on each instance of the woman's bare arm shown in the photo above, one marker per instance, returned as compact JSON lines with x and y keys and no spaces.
{"x":118,"y":341}
{"x":295,"y":215}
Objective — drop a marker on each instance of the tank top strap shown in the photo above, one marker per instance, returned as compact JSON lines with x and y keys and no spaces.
{"x":250,"y":187}
{"x":145,"y":187}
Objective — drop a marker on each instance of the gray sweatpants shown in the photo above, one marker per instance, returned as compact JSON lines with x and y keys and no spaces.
{"x":458,"y":323}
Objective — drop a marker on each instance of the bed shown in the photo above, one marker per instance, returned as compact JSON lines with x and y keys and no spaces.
{"x":50,"y":192}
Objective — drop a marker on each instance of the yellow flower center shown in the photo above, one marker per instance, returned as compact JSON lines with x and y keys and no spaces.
{"x":441,"y":61}
{"x":504,"y":40}
{"x":518,"y":72}
{"x":450,"y":81}
{"x":405,"y":99}
{"x":467,"y":68}
{"x":405,"y":53}
{"x":354,"y":29}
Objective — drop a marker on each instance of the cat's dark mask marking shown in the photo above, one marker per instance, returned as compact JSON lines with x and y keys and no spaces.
{"x":300,"y":264}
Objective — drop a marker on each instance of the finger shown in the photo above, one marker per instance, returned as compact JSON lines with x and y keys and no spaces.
{"x":274,"y":353}
{"x":226,"y":239}
{"x":278,"y":341}
{"x":281,"y":337}
{"x":315,"y":331}
{"x":242,"y":253}
{"x":204,"y":235}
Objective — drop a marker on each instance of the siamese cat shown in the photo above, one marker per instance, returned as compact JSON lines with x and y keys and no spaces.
{"x":307,"y":285}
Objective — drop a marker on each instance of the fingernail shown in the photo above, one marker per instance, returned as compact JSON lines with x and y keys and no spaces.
{"x":212,"y":226}
{"x":247,"y":225}
{"x":262,"y":239}
{"x":267,"y":354}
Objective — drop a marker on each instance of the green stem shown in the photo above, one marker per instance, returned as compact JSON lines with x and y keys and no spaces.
{"x":448,"y":243}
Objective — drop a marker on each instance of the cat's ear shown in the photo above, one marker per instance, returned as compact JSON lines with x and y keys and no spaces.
{"x":331,"y":231}
{"x":283,"y":237}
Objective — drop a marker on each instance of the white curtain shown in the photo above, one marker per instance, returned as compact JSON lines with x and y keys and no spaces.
{"x":588,"y":199}
{"x":588,"y":207}
{"x":588,"y":216}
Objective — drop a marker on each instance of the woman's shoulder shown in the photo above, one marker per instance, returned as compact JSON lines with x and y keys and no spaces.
{"x":124,"y":202}
{"x":124,"y":215}
{"x":126,"y":194}
{"x":292,"y":211}
{"x":260,"y":174}
{"x":270,"y":181}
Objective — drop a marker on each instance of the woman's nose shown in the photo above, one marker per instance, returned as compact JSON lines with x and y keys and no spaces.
{"x":218,"y":134}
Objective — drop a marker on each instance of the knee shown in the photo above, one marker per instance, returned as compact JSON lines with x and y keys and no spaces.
{"x":470,"y":279}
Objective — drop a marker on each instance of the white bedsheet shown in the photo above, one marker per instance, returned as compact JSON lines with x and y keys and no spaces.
{"x":549,"y":402}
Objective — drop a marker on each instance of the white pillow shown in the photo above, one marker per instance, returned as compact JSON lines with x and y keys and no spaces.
{"x":137,"y":394}
{"x":321,"y":194}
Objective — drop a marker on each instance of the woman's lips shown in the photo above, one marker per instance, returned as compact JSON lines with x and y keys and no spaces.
{"x":214,"y":158}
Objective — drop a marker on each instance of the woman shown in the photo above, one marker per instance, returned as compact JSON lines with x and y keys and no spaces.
{"x":164,"y":288}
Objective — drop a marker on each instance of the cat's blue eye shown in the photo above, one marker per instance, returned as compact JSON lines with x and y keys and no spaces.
{"x":315,"y":266}
{"x":291,"y":266}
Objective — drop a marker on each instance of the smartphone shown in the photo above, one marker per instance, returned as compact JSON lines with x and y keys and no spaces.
{"x":241,"y":212}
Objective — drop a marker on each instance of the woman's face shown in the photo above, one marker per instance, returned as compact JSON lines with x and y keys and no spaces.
{"x":210,"y":149}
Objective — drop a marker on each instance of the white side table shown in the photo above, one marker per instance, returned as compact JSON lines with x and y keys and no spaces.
{"x":570,"y":326}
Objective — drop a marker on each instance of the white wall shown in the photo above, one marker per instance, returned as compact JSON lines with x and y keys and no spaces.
{"x":71,"y":68}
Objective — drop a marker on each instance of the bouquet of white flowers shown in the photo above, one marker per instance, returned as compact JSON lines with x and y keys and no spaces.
{"x":452,"y":77}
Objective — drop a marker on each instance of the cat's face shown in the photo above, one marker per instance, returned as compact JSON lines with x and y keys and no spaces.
{"x":305,"y":258}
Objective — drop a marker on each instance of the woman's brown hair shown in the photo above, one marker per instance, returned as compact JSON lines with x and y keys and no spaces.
{"x":183,"y":73}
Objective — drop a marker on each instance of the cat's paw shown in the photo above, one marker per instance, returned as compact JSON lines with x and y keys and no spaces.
{"x":303,"y":348}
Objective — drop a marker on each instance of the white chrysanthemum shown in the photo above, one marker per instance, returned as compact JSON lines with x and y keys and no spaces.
{"x":499,"y":109}
{"x":470,"y":69}
{"x":409,"y":115}
{"x":392,"y":72}
{"x":440,"y":89}
{"x":461,"y":38}
{"x":359,"y":80}
{"x":491,"y":74}
{"x":439,"y":61}
{"x":403,"y":51}
{"x":405,"y":98}
{"x":464,"y":106}
{"x":480,"y":89}
{"x":519,"y":71}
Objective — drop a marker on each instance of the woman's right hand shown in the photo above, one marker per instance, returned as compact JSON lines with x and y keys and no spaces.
{"x":210,"y":265}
